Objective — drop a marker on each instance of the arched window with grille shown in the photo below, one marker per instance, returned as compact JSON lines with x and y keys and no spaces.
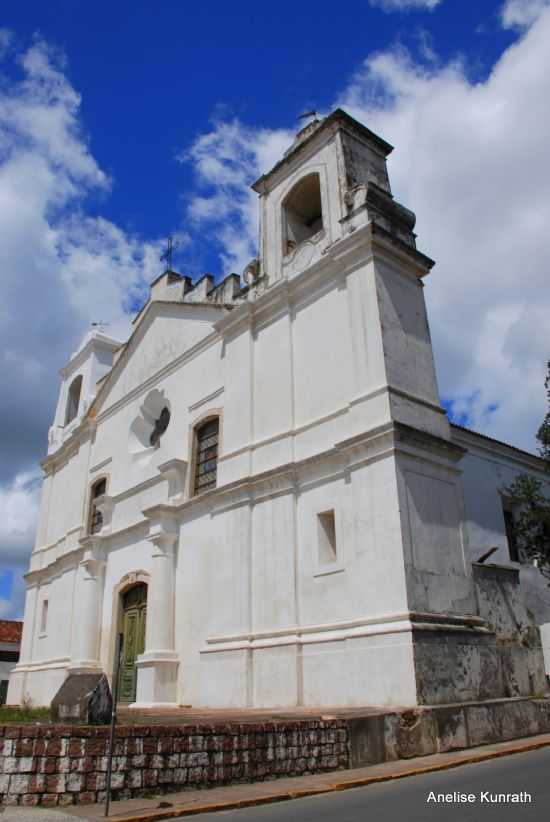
{"x":73,"y":399}
{"x":99,"y":489}
{"x":206,"y":455}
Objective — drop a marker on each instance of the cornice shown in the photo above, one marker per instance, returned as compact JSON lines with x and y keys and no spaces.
{"x":296,"y":155}
{"x":289,"y":477}
{"x":100,"y":341}
{"x":162,"y":373}
{"x":495,"y":449}
{"x":69,"y":560}
{"x":69,"y":448}
{"x":151,"y":309}
{"x":339,"y":259}
{"x":285,"y":292}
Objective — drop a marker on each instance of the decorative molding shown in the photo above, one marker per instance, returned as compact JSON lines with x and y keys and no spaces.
{"x":209,"y":397}
{"x":187,"y":355}
{"x":497,"y":450}
{"x":99,"y":465}
{"x":405,"y":622}
{"x":163,"y":528}
{"x":175,"y":472}
{"x":43,"y":665}
{"x":97,"y":340}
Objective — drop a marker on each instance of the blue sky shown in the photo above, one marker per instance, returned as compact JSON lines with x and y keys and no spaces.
{"x":122,"y":122}
{"x":153,"y":75}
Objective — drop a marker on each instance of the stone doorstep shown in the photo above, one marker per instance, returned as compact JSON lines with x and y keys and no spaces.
{"x":187,"y":715}
{"x":186,"y":803}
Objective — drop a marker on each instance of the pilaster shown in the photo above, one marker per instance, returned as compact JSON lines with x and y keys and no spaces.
{"x":89,"y":591}
{"x":158,"y":665}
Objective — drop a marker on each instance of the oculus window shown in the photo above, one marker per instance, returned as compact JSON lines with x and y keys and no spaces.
{"x":160,"y":426}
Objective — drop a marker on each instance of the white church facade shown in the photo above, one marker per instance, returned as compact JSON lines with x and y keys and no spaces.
{"x":260,"y":488}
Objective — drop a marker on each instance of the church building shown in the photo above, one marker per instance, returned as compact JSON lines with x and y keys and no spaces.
{"x":261,"y":491}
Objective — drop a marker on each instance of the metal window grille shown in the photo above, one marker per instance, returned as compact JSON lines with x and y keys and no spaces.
{"x":96,"y":517}
{"x":206,"y":465}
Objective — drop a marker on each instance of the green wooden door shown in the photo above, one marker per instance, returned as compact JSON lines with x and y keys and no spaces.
{"x":134,"y":605}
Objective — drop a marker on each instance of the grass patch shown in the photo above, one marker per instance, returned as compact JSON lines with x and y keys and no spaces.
{"x":21,"y":713}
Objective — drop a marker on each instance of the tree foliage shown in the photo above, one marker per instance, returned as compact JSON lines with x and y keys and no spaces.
{"x":532,"y":505}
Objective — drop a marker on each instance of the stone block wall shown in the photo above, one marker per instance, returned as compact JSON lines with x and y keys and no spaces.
{"x":518,"y":647}
{"x":63,"y":765}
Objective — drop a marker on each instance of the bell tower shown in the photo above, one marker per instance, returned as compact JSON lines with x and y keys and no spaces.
{"x":331,"y":231}
{"x":331,"y":180}
{"x":327,"y":204}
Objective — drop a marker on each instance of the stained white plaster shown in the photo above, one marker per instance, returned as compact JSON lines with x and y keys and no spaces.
{"x":322,"y":376}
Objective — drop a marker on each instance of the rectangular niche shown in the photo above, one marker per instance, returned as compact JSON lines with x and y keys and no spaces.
{"x":326,"y":538}
{"x":44,"y":618}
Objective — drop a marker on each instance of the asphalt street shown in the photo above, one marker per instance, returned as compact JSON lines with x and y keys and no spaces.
{"x":405,"y":800}
{"x":400,"y":800}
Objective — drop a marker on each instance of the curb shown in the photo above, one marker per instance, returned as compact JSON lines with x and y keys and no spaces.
{"x":301,"y":793}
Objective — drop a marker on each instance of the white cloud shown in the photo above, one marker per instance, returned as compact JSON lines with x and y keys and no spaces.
{"x":519,"y":14}
{"x":61,"y":269}
{"x":19,"y":505}
{"x":405,"y":5}
{"x":19,"y":500}
{"x":471,"y":161}
{"x":226,"y":160}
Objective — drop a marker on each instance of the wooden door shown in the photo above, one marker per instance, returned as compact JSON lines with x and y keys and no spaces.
{"x":134,"y":608}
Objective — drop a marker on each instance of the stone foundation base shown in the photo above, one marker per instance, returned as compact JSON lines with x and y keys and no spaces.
{"x":64,"y":765}
{"x":441,"y":728}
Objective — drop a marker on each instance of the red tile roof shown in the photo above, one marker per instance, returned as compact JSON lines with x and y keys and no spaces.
{"x":10,"y":631}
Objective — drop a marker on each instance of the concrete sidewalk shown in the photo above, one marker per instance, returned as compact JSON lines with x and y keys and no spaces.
{"x":188,"y":803}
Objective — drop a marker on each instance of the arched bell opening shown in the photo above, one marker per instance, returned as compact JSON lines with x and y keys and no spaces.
{"x":302,"y":212}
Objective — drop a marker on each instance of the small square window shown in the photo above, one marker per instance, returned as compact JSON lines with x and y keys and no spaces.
{"x":326,"y":535}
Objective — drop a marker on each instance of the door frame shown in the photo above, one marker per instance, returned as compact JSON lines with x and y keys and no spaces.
{"x":134,"y":616}
{"x":128,"y":581}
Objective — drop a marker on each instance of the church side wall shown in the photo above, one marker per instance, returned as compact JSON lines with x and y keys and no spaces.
{"x":487,"y":472}
{"x":46,"y":651}
{"x":262,"y":620}
{"x":133,"y":479}
{"x":435,"y":549}
{"x":66,"y":503}
{"x":288,"y":383}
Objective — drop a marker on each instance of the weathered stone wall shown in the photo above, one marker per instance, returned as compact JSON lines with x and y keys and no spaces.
{"x":62,"y":765}
{"x":504,"y":660}
{"x":518,"y":645}
{"x":439,"y":729}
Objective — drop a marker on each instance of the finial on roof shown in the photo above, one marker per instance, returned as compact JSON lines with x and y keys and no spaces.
{"x":167,"y":254}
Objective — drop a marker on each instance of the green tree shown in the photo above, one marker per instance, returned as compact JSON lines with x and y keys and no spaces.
{"x":531,"y":505}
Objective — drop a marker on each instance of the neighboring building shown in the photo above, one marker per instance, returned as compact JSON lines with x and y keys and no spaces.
{"x":10,"y":643}
{"x":488,"y":468}
{"x":261,"y":490}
